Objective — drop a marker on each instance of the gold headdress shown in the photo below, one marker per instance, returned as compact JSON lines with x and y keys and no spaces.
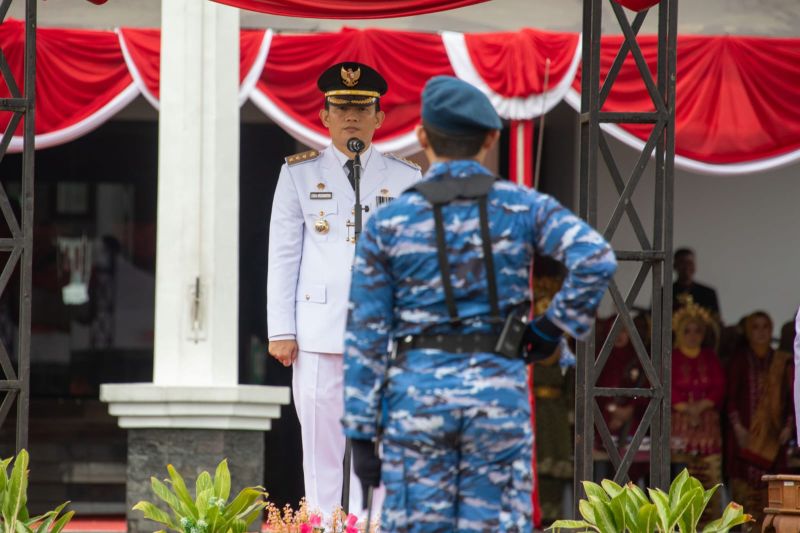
{"x":691,"y":312}
{"x":694,"y":312}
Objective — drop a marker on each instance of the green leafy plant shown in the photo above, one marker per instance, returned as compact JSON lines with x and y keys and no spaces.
{"x":207,"y":512}
{"x":14,"y":502}
{"x":611,"y":508}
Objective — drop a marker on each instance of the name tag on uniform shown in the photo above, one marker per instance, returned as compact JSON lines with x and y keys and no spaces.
{"x":326,"y":195}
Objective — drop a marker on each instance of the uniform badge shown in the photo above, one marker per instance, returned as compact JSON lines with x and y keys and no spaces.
{"x":350,"y":77}
{"x":322,"y":227}
{"x":383,"y":198}
{"x":321,"y":193}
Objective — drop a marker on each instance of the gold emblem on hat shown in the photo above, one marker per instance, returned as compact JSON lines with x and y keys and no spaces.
{"x":320,"y":186}
{"x":350,"y":77}
{"x":322,"y":227}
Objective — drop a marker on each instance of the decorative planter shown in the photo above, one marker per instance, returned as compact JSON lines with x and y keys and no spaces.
{"x":783,"y":507}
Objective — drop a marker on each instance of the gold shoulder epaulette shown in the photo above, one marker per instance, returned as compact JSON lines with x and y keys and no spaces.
{"x":302,"y":157}
{"x":403,"y":160}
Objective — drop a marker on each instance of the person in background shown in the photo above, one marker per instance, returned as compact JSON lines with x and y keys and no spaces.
{"x":684,"y":263}
{"x":698,"y":390}
{"x":759,"y":413}
{"x":622,"y":414}
{"x":796,"y":371}
{"x":553,"y":388}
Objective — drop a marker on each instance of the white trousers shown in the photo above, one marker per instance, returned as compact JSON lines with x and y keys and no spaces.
{"x":317,"y":387}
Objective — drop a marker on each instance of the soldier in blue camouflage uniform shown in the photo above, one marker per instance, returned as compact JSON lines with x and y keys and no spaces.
{"x":456,"y":426}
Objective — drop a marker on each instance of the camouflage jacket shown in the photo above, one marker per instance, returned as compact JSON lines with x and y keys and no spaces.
{"x":397,"y":285}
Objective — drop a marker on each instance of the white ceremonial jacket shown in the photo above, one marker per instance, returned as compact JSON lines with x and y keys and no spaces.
{"x":311,"y":244}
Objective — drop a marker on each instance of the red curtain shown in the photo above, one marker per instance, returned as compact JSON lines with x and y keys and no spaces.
{"x":78,"y":74}
{"x":348,"y":9}
{"x":143,"y":48}
{"x":513,"y":63}
{"x":406,"y":59}
{"x":144,"y":51}
{"x":737,"y":109}
{"x":737,"y":98}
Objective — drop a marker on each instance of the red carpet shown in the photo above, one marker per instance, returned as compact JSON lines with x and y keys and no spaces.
{"x":84,"y":523}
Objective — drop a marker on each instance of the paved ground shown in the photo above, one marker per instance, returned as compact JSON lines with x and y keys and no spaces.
{"x":756,"y":17}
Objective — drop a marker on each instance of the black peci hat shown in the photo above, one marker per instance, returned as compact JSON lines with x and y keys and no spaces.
{"x":351,"y":83}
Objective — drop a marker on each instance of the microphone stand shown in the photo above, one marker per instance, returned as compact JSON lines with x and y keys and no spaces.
{"x":348,"y":446}
{"x":357,"y":187}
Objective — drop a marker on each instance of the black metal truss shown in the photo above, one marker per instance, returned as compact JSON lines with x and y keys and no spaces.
{"x":15,"y":371}
{"x":653,"y":256}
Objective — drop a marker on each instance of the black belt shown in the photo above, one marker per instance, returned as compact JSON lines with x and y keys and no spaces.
{"x":460,"y":343}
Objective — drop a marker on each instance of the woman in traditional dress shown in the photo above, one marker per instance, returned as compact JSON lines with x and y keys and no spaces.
{"x":554,"y":390}
{"x":622,"y":414}
{"x":759,"y":413}
{"x":698,"y":390}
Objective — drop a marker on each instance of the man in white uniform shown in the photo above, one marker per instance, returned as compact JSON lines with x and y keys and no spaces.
{"x":311,"y":250}
{"x":797,"y":373}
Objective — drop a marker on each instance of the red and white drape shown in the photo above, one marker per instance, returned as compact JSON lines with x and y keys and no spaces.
{"x":348,"y":9}
{"x":737,"y":111}
{"x":287,"y":90}
{"x":368,"y":9}
{"x":737,"y":108}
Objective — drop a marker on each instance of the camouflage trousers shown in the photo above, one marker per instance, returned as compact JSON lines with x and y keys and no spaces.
{"x":457,"y":445}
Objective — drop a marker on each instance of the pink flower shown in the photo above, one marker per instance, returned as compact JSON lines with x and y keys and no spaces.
{"x":351,"y":521}
{"x":306,"y":528}
{"x":352,"y":529}
{"x":315,"y":520}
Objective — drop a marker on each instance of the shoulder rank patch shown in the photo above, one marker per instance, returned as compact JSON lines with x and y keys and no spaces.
{"x":403,"y":160}
{"x":302,"y":157}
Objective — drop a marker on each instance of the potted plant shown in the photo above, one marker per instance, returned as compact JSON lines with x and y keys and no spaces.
{"x":14,"y":514}
{"x":611,"y":508}
{"x":209,"y":510}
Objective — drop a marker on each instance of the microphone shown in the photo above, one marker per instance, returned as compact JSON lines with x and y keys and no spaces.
{"x":355,"y":145}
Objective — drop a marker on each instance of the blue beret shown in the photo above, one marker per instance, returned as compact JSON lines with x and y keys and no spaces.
{"x":456,"y":107}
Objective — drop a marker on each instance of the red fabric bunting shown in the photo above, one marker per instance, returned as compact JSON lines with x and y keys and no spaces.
{"x":77,"y":73}
{"x":406,"y":59}
{"x":144,"y":50}
{"x":638,"y":5}
{"x":736,"y":97}
{"x":348,"y":9}
{"x":513,"y":63}
{"x":738,"y":107}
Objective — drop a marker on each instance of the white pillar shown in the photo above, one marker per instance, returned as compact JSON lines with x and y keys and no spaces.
{"x":196,"y":328}
{"x":195,"y":370}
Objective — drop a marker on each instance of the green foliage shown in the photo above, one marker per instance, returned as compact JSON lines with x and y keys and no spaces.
{"x":610,"y":508}
{"x":208,"y":511}
{"x":14,"y":516}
